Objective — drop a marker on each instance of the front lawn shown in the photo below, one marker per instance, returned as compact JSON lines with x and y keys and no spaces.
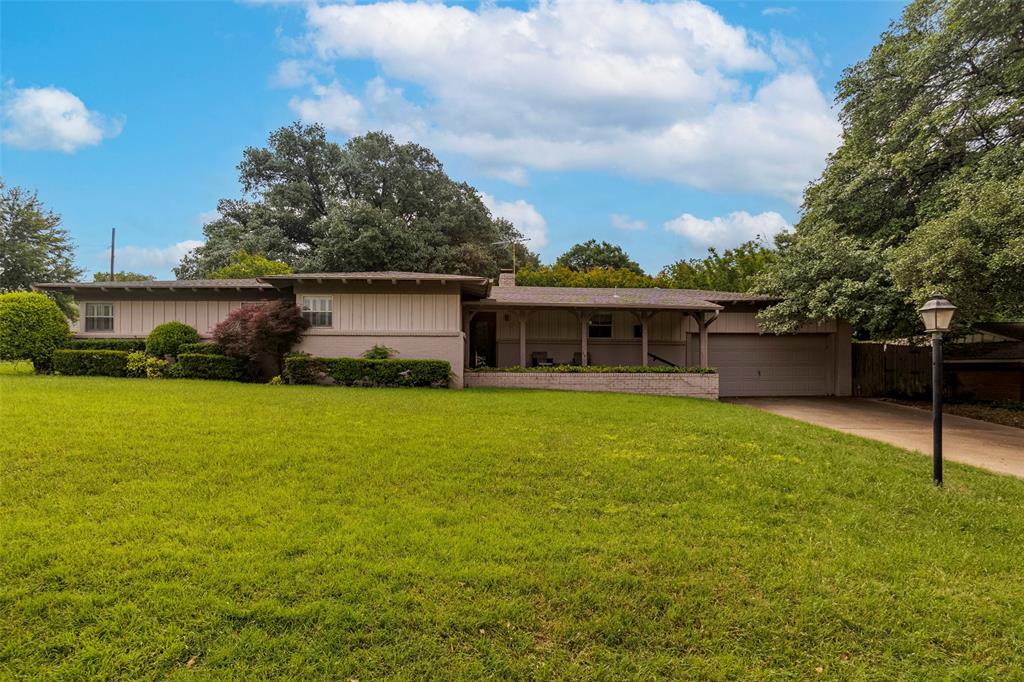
{"x":155,"y":528}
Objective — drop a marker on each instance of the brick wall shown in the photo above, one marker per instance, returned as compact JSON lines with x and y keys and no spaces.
{"x":689,"y":385}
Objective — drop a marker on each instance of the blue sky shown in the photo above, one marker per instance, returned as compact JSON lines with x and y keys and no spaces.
{"x":663,"y":127}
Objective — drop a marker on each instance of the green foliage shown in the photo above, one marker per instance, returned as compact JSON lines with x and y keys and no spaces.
{"x":138,"y":364}
{"x":600,"y":369}
{"x":311,"y":533}
{"x":208,"y":366}
{"x":924,"y":192}
{"x":591,"y":254}
{"x":732,"y":270}
{"x":379,"y":352}
{"x":33,"y":246}
{"x":107,"y":363}
{"x":203,"y":347}
{"x":362,"y":372}
{"x":106,"y":344}
{"x":245,"y":265}
{"x":373,"y":204}
{"x":562,"y":276}
{"x":122,"y":276}
{"x":260,"y":334}
{"x":31,"y":328}
{"x":167,"y":337}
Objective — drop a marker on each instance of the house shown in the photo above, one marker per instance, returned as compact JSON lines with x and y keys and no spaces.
{"x":472,"y":322}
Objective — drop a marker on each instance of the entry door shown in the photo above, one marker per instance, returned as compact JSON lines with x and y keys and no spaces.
{"x":483,"y":332}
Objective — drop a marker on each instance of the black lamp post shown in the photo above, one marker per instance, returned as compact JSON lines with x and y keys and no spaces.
{"x":937,"y":314}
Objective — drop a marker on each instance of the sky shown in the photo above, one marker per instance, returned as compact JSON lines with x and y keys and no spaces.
{"x":665,"y":127}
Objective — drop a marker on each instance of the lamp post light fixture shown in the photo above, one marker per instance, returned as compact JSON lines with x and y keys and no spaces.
{"x":937,"y":314}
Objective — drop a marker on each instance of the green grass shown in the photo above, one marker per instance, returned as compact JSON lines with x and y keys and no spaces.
{"x":328,"y":533}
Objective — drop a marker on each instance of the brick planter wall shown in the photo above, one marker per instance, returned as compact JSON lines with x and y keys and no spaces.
{"x":689,"y":385}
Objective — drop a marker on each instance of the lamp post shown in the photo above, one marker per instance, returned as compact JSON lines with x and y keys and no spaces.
{"x":937,"y":314}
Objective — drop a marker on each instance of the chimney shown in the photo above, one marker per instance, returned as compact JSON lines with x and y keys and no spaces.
{"x":507,"y":278}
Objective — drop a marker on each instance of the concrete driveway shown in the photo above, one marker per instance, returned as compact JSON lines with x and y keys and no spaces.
{"x":990,"y":446}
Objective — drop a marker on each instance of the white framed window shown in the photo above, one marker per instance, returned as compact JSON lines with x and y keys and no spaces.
{"x":317,"y":310}
{"x":600,"y":326}
{"x":99,"y":317}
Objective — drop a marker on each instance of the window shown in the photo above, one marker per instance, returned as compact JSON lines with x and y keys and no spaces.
{"x":638,"y":331}
{"x":99,"y":317}
{"x":600,"y":326}
{"x":317,"y":310}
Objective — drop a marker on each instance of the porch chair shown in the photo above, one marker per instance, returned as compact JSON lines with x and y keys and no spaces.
{"x":540,"y":359}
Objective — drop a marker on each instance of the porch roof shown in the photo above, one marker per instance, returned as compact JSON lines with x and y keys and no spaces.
{"x":603,"y":298}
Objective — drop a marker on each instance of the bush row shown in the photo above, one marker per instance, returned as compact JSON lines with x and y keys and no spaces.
{"x":115,"y":363}
{"x":599,"y":369}
{"x":129,"y":345}
{"x":203,"y":347}
{"x":304,"y":369}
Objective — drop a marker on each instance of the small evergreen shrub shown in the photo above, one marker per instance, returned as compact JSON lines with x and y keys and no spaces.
{"x":129,"y":345}
{"x":380,"y":352}
{"x":104,"y":363}
{"x":139,"y":364}
{"x":363,"y":372}
{"x":208,"y":366}
{"x":166,"y":338}
{"x":203,"y":347}
{"x":32,"y":327}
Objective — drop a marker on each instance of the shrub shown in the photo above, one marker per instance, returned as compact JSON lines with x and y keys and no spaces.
{"x":363,"y":372}
{"x":167,"y":337}
{"x":380,"y":352}
{"x":107,"y":344}
{"x":203,"y":347}
{"x":32,"y":327}
{"x":141,"y":365}
{"x":261,"y":333}
{"x":599,"y":369}
{"x":208,"y":366}
{"x":105,"y":363}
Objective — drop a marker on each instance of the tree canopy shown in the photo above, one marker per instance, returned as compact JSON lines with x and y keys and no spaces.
{"x":561,"y":276}
{"x":33,"y":245}
{"x":593,"y":254}
{"x":732,"y":270}
{"x":924,"y":192}
{"x":372,"y":204}
{"x":245,"y":265}
{"x":122,"y":276}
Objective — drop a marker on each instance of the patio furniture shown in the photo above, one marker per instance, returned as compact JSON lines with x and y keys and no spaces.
{"x":541,"y":359}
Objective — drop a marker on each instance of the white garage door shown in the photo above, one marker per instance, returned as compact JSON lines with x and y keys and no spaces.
{"x":754,"y":365}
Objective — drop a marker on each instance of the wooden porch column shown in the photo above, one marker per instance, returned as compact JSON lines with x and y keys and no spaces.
{"x":643,"y":317}
{"x":522,"y":338}
{"x":584,"y":336}
{"x":703,"y":322}
{"x":468,"y":325}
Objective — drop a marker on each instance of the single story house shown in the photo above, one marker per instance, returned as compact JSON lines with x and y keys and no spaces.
{"x":472,"y":322}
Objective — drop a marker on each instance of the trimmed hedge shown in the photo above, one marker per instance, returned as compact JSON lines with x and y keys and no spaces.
{"x":207,"y":366}
{"x":602,"y":369}
{"x":31,"y":328}
{"x":129,"y":345}
{"x":167,"y":337}
{"x":203,"y":348}
{"x":99,"y":363}
{"x":394,"y":372}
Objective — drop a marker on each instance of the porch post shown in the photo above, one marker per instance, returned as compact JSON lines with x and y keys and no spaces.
{"x":468,"y":324}
{"x":702,"y":326}
{"x":522,"y":338}
{"x":584,"y":335}
{"x":643,"y":338}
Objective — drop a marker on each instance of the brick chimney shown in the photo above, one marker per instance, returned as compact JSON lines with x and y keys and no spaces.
{"x":507,"y":278}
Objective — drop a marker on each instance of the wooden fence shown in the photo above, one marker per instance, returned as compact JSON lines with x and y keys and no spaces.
{"x":881,"y":369}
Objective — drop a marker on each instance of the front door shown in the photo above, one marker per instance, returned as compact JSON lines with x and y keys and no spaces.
{"x":483,"y":331}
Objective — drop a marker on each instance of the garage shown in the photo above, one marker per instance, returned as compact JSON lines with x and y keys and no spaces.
{"x":756,"y":365}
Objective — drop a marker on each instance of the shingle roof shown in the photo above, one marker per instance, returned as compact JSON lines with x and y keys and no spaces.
{"x":1012,"y":330}
{"x":384,"y":275}
{"x":156,"y":284}
{"x":729,"y":296}
{"x":579,"y":297}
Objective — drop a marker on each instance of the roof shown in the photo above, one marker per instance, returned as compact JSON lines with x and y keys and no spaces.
{"x":1011,"y":330}
{"x":729,"y":296}
{"x":145,"y":285}
{"x":392,"y":275}
{"x":580,"y":297}
{"x":989,"y":351}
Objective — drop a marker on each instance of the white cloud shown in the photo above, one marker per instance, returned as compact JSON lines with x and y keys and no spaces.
{"x":523,"y":215}
{"x":624,"y":222}
{"x":148,"y":259}
{"x":204,"y":217}
{"x":513,"y":175}
{"x":654,"y":89}
{"x":778,"y":11}
{"x":729,"y":231}
{"x":53,"y":118}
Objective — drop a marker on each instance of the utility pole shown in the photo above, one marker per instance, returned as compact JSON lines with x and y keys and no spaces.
{"x":113,"y":232}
